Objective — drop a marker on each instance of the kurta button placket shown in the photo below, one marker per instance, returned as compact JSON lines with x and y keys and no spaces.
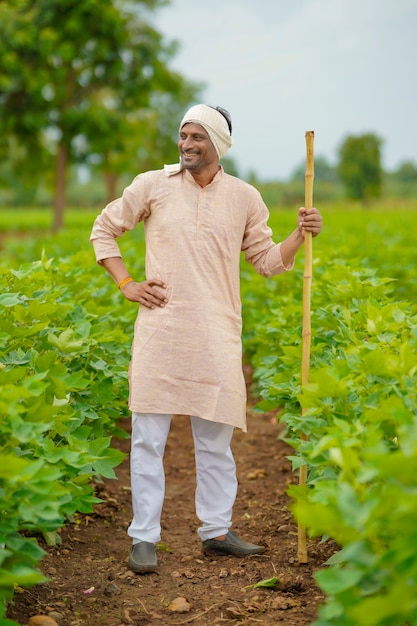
{"x":199,"y":210}
{"x":203,"y":201}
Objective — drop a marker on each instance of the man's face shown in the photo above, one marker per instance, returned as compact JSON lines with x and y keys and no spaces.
{"x":196,"y":150}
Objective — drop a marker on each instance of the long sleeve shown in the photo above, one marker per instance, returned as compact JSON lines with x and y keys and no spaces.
{"x":258,"y":246}
{"x":119,"y":216}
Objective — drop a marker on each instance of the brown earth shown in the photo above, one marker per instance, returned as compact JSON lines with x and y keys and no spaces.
{"x":91,"y":584}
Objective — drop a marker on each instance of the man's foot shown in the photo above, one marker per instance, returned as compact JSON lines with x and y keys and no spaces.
{"x":142,"y":558}
{"x":231,"y":545}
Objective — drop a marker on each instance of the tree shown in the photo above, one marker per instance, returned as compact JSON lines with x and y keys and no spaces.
{"x":406,"y":173}
{"x":77,"y":75}
{"x":360,"y":166}
{"x":403,"y":181}
{"x":323,"y":171}
{"x":127,"y":142}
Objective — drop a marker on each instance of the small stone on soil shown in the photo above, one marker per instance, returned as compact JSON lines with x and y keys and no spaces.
{"x":179,"y":605}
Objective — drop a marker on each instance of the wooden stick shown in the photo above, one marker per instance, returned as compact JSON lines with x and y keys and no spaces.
{"x":306,"y":336}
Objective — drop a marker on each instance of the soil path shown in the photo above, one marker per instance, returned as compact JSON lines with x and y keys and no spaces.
{"x":91,"y":585}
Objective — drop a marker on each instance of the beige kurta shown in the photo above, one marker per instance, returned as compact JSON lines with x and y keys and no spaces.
{"x":187,"y":356}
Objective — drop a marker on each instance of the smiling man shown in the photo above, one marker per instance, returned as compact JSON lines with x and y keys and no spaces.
{"x":187,"y":353}
{"x":203,"y":143}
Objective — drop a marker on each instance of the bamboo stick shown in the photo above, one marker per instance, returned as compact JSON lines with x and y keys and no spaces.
{"x":306,"y":333}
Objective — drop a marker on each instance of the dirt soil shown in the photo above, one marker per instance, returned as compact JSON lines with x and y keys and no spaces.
{"x":91,"y":585}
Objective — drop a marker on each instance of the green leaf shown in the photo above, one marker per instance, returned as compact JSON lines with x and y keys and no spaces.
{"x":334,"y":581}
{"x":52,"y":538}
{"x":10,"y":299}
{"x":296,"y":462}
{"x":270,"y":583}
{"x":11,"y":466}
{"x":21,"y":575}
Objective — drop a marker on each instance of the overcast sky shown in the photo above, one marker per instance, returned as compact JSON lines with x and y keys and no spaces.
{"x":282,"y":67}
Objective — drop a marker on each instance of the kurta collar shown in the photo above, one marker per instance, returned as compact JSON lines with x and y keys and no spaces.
{"x":173,"y":170}
{"x":176,"y":168}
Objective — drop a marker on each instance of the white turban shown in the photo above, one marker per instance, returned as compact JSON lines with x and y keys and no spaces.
{"x":213,"y":123}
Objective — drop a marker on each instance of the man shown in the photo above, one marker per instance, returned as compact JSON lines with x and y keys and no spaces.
{"x":186,"y":354}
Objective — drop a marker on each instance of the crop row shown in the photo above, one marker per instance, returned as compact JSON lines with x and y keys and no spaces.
{"x":358,"y":431}
{"x":63,"y":378}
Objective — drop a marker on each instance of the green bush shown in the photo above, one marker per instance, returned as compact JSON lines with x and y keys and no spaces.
{"x":63,"y":375}
{"x":358,"y":434}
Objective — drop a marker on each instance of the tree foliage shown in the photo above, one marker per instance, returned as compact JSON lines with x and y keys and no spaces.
{"x":323,"y":171}
{"x":85,"y":77}
{"x":360,"y":166}
{"x":402,"y":182}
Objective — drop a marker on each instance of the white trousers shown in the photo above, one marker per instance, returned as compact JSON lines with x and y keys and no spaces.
{"x":216,"y":483}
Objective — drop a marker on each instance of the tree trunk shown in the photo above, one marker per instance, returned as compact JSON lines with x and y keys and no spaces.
{"x":111,"y":182}
{"x":60,"y":183}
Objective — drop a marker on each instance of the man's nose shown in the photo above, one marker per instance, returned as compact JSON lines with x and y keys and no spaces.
{"x":187,"y":143}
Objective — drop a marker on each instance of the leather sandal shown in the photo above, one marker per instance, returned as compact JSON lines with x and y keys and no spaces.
{"x":232,"y":546}
{"x":142,"y":558}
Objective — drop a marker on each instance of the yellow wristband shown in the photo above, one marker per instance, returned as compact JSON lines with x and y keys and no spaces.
{"x":125,"y":281}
